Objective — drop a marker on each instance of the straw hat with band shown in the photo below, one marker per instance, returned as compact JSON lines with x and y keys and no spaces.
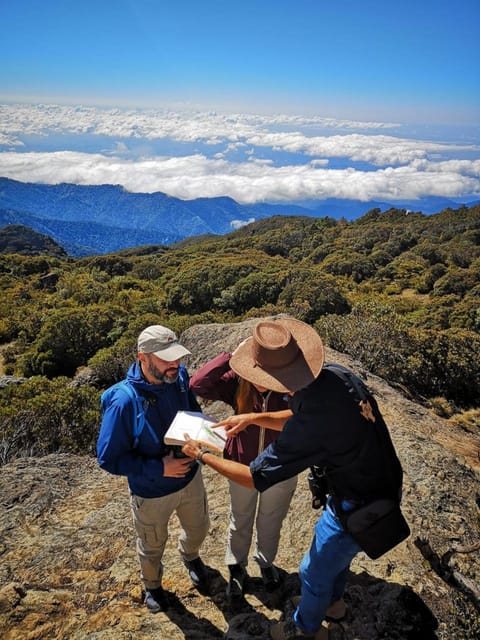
{"x":282,"y":355}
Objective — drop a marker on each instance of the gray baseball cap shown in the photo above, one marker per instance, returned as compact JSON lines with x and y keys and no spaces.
{"x":162,"y":342}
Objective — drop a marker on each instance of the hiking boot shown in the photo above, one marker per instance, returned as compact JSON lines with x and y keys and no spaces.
{"x":289,"y":631}
{"x":236,"y":584}
{"x":154,"y":599}
{"x":198,"y":573}
{"x":271,"y":578}
{"x":336,"y":612}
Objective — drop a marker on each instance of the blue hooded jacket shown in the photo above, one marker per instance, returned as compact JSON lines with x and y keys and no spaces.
{"x":143,"y":465}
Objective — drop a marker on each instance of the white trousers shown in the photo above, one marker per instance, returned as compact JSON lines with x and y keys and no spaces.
{"x":151,"y":516}
{"x":267,"y":511}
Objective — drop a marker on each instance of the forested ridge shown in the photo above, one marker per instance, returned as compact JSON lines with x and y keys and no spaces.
{"x":399,"y":291}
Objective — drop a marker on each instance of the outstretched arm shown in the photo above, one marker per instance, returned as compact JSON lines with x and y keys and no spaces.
{"x":215,"y":380}
{"x":239,"y":473}
{"x":270,"y":420}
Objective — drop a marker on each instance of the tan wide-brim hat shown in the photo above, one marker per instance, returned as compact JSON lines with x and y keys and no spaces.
{"x":282,"y":355}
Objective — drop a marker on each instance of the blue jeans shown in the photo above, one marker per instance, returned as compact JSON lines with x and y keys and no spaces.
{"x":323,"y":570}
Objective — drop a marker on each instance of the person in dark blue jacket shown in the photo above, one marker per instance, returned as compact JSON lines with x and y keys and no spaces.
{"x":328,"y":428}
{"x":160,"y":478}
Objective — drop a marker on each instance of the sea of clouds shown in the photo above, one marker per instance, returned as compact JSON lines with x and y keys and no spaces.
{"x":251,"y":158}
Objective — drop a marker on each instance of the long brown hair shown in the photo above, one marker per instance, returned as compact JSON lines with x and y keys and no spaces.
{"x":244,"y":396}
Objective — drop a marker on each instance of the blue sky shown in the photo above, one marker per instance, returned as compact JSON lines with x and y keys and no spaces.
{"x":414,"y":61}
{"x":318,"y":99}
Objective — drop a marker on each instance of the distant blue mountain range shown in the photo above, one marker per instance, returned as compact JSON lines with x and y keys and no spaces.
{"x":89,"y":220}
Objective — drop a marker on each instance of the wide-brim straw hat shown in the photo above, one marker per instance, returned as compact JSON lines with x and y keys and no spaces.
{"x":282,"y":355}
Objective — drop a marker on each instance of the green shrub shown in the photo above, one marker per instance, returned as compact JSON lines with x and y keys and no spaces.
{"x":430,"y":363}
{"x":254,"y":290}
{"x":67,"y":339}
{"x":310,"y":294}
{"x":373,"y":334}
{"x":41,"y":416}
{"x":451,"y":365}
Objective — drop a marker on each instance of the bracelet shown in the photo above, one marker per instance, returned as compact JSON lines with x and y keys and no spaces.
{"x":201,"y":453}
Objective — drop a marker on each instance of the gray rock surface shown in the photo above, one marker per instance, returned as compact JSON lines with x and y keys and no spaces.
{"x":68,"y":567}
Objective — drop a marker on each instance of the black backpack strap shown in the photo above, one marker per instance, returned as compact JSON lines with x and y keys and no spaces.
{"x":356,"y":386}
{"x":376,"y":430}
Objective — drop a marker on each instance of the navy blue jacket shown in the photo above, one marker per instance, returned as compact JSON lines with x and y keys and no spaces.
{"x":143,"y":464}
{"x":328,"y":430}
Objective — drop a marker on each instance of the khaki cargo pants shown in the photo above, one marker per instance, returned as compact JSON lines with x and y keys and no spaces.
{"x":151,"y":517}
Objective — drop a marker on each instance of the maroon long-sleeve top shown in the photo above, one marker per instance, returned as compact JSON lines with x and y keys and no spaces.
{"x":217,"y":381}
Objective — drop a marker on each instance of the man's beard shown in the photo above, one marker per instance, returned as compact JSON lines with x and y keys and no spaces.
{"x":169,"y":378}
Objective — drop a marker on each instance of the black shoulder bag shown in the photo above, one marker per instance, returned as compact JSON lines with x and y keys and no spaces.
{"x":377,"y":526}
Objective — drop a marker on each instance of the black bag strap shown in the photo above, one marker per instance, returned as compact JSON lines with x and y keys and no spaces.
{"x":368,"y":409}
{"x":356,"y":387}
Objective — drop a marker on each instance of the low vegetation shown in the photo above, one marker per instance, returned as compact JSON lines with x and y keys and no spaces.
{"x":397,"y":290}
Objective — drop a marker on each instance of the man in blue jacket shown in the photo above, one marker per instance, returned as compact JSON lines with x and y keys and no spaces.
{"x":160,"y":478}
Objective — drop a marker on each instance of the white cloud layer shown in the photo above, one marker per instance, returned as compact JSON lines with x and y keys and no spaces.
{"x":398,"y":168}
{"x":197,"y":176}
{"x":185,"y":126}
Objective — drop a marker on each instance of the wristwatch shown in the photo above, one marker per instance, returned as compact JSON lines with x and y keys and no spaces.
{"x":201,"y":453}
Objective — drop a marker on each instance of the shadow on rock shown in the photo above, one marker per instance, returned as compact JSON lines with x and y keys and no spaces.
{"x":380,"y":609}
{"x":276,"y":599}
{"x":376,"y":609}
{"x":248,"y":626}
{"x":192,"y":626}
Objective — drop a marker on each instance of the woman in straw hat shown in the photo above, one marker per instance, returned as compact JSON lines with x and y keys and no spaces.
{"x":216,"y":380}
{"x":327,"y":429}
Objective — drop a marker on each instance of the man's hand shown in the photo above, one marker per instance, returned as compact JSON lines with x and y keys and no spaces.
{"x":176,"y":467}
{"x":191,"y":448}
{"x":236,"y":471}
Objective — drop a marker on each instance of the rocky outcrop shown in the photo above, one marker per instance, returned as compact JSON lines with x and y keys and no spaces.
{"x":6,"y":380}
{"x":69,"y":569}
